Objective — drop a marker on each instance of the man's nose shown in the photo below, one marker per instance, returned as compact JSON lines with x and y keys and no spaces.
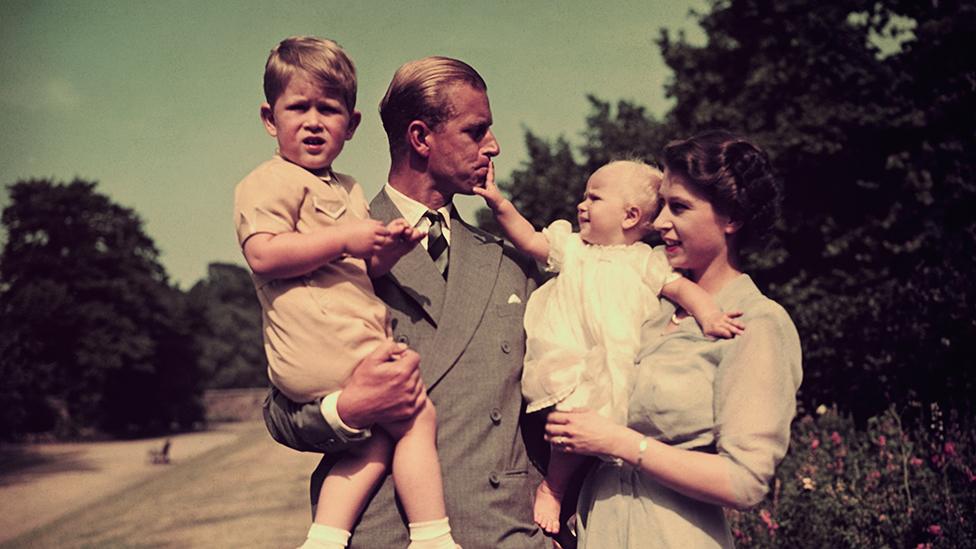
{"x":491,"y":145}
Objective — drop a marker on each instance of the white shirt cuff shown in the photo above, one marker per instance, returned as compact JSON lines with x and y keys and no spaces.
{"x":330,"y":413}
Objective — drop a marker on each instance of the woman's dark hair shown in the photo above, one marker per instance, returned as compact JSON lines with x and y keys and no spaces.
{"x":734,"y":175}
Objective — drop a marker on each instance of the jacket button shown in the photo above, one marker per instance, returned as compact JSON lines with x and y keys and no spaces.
{"x":496,"y":416}
{"x":402,"y":338}
{"x":494,"y":480}
{"x":506,"y":348}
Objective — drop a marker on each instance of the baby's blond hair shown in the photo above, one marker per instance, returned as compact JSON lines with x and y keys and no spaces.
{"x":640,"y":188}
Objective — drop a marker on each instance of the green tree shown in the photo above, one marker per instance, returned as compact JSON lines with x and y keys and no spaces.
{"x":868,"y":110}
{"x":93,"y":336}
{"x":227,"y":319}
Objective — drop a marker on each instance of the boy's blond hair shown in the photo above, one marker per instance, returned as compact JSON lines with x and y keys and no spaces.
{"x":419,"y":91}
{"x":641,"y":187}
{"x":322,"y":59}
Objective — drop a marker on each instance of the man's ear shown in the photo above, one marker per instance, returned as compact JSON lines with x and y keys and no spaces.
{"x":267,"y":116}
{"x":418,"y":135}
{"x":632,"y":216}
{"x":354,"y":119}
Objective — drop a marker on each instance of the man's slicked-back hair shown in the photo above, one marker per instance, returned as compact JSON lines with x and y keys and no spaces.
{"x":322,"y":59}
{"x":420,"y":91}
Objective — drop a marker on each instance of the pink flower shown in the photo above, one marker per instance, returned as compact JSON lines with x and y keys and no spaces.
{"x":915,"y":461}
{"x":924,"y":546}
{"x":874,"y":475}
{"x":882,"y":440}
{"x":815,"y":443}
{"x":768,"y":520}
{"x":836,"y":438}
{"x":949,"y":449}
{"x":935,"y":530}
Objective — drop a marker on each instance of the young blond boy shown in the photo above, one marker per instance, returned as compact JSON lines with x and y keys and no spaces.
{"x":307,"y":236}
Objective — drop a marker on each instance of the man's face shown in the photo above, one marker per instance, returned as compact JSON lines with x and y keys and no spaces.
{"x":462,"y":146}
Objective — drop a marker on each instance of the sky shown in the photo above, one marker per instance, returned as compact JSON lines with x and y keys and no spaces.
{"x":158,"y":101}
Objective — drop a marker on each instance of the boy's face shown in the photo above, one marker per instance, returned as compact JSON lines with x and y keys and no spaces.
{"x":311,"y":123}
{"x":602,"y":212}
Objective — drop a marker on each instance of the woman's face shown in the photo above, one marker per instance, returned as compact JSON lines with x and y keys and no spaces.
{"x":694,"y":234}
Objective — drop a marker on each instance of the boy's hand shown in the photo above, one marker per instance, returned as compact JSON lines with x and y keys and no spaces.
{"x":493,"y":197}
{"x":402,"y":239}
{"x":365,"y":238}
{"x":722,"y":324}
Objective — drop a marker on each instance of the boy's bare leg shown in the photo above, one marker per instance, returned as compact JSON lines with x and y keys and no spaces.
{"x":351,"y":481}
{"x":417,"y":476}
{"x":549,"y":494}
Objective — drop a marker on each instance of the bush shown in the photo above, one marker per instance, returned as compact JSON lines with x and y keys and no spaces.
{"x":901,"y":482}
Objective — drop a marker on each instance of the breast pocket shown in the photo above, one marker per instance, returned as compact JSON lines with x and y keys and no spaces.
{"x":333,"y":208}
{"x":510,"y":309}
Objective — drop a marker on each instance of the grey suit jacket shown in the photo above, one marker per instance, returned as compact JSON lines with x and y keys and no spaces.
{"x":468,"y":331}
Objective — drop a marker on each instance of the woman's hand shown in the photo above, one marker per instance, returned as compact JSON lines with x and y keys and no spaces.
{"x":585,"y":432}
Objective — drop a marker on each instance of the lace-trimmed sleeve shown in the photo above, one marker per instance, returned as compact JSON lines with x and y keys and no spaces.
{"x":558,"y":234}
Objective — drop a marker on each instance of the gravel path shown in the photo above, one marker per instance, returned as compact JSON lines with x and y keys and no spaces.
{"x":41,"y":482}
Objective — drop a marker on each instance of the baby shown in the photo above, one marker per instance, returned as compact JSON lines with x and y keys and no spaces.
{"x":583,"y":326}
{"x":312,"y":248}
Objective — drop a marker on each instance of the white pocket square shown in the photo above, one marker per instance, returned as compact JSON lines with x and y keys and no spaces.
{"x":514,"y":299}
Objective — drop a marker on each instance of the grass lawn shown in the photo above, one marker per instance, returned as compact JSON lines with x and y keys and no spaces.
{"x":247,"y":493}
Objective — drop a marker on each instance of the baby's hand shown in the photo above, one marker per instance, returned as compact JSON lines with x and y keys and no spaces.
{"x":364,"y":238}
{"x":722,"y":324}
{"x":493,"y":197}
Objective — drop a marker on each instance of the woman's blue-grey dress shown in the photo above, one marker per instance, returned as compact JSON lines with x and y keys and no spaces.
{"x":734,"y":397}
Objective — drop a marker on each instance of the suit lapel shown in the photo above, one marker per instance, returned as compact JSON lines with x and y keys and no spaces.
{"x":473,"y":269}
{"x":414,"y":273}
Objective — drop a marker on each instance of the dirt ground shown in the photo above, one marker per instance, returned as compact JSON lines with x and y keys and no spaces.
{"x":41,"y":482}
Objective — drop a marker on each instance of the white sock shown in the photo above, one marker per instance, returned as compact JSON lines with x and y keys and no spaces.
{"x":321,"y":536}
{"x":433,"y":534}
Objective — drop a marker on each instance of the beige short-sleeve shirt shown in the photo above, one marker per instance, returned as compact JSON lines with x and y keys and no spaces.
{"x":317,"y":327}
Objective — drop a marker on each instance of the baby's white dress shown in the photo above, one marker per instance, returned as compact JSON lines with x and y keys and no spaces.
{"x":583,"y":326}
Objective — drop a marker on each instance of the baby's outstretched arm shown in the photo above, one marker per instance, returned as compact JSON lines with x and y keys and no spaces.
{"x":286,"y":255}
{"x":714,"y":322}
{"x":403,"y":238}
{"x":518,"y":229}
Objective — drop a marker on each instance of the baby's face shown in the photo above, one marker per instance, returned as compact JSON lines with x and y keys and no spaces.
{"x":603,"y":210}
{"x":311,"y":124}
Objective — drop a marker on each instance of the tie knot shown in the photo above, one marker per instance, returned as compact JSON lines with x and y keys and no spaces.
{"x":434,"y":216}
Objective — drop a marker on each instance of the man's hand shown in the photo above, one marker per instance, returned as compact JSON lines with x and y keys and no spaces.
{"x":722,"y":324}
{"x":493,"y":197}
{"x":384,"y":387}
{"x":364,"y":238}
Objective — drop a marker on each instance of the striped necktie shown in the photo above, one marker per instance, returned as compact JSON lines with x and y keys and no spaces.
{"x":437,"y":242}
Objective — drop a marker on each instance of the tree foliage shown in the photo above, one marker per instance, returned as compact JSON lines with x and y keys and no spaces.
{"x":227,"y":319}
{"x":91,"y":333}
{"x":867,"y":110}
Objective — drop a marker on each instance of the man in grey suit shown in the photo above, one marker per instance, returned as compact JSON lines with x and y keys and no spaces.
{"x":457,"y":301}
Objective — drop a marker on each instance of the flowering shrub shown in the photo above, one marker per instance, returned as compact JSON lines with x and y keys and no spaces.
{"x":888,"y":485}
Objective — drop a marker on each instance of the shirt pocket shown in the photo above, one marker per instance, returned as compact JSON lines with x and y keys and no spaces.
{"x":332,"y":207}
